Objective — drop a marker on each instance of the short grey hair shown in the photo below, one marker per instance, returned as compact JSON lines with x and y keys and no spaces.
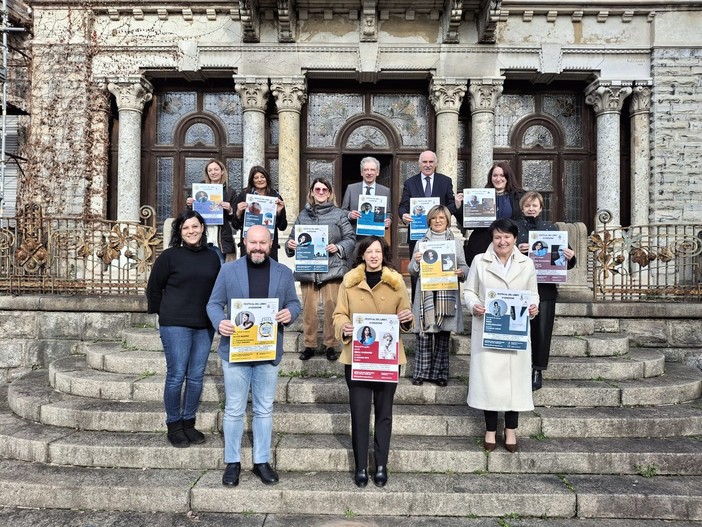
{"x":370,"y":159}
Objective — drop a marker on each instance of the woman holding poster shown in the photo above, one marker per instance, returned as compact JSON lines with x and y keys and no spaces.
{"x":372,"y":286}
{"x":499,"y":380}
{"x":439,"y":312}
{"x":532,"y":204}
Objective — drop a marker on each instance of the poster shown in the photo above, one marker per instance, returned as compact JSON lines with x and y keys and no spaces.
{"x":546,"y":248}
{"x":208,"y":202}
{"x":260,"y":210}
{"x":311,"y":253}
{"x":478,"y":207}
{"x":506,"y":320}
{"x":419,"y":208}
{"x":255,"y":330}
{"x":437,"y":267}
{"x":376,"y":348}
{"x":372,"y":220}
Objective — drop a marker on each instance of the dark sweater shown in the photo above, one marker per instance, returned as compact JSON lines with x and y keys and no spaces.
{"x":259,"y":278}
{"x":180,"y":285}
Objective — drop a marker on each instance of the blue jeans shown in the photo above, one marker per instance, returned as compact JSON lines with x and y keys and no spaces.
{"x":262,"y":377}
{"x":186,"y":351}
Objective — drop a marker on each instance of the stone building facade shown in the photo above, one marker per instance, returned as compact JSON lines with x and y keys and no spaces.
{"x":596,"y":104}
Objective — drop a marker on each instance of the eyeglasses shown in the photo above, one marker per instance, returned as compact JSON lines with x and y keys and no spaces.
{"x":321,"y":190}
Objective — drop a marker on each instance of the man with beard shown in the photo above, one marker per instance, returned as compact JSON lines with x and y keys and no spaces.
{"x":256,"y":276}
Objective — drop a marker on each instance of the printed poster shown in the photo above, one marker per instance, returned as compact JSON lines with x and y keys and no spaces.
{"x":437,"y":267}
{"x":376,"y":348}
{"x":255,"y":330}
{"x":372,"y":220}
{"x":419,"y":208}
{"x":311,"y":254}
{"x":506,"y":320}
{"x":479,"y":208}
{"x":208,"y":202}
{"x":260,"y":210}
{"x":546,"y":248}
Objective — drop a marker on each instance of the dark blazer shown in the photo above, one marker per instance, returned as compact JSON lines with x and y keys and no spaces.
{"x":233,"y":282}
{"x":353,"y":191}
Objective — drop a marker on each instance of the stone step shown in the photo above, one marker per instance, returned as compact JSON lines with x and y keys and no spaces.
{"x":32,"y":398}
{"x":18,"y":517}
{"x":70,"y":375}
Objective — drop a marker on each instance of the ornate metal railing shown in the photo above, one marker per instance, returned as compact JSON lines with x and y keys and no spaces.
{"x":65,"y":255}
{"x":646,"y":262}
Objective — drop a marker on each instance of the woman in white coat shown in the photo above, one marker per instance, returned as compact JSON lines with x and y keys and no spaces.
{"x":500,"y":380}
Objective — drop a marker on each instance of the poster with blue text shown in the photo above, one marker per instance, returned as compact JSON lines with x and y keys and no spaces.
{"x":372,"y":220}
{"x":506,"y":320}
{"x":208,"y":202}
{"x":419,"y":208}
{"x":260,"y":210}
{"x":311,"y":254}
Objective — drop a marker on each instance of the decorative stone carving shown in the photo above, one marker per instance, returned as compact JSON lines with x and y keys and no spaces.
{"x":484,"y":94}
{"x":453,"y":15}
{"x":607,"y":96}
{"x":131,"y":93}
{"x":248,"y":11}
{"x":446,"y":95}
{"x":289,"y":92}
{"x":640,"y":100}
{"x":487,"y":21}
{"x":369,"y":22}
{"x":253,"y":92}
{"x":286,"y":21}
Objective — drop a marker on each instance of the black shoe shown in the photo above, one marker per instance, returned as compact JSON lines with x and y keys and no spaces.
{"x":306,"y":354}
{"x":441,"y":382}
{"x":417,"y":382}
{"x":381,"y":476}
{"x":360,"y":477}
{"x":332,"y":355}
{"x":176,"y":435}
{"x":266,"y":473}
{"x":194,"y":436}
{"x":231,"y":474}
{"x":536,"y":380}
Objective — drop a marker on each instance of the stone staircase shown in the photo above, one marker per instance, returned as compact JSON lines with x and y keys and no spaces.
{"x":617,"y":433}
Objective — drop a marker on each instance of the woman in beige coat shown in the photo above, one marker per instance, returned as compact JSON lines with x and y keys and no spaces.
{"x":500,"y":380}
{"x":372,"y":286}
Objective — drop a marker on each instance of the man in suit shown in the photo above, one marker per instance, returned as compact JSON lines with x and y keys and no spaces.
{"x":427,"y":184}
{"x":256,"y":276}
{"x":370,"y":168}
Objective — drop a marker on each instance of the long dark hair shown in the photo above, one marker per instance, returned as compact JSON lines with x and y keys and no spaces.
{"x":256,"y":169}
{"x":176,"y":236}
{"x":366,"y":242}
{"x":511,"y":185}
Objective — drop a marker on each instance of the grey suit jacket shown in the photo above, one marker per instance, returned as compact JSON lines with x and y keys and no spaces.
{"x":354,"y":190}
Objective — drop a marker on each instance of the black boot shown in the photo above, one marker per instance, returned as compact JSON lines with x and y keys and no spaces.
{"x":176,"y":435}
{"x":536,"y":380}
{"x":381,"y":476}
{"x":360,"y":477}
{"x":194,"y":436}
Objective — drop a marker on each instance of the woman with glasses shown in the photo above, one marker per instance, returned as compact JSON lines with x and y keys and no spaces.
{"x":321,"y":209}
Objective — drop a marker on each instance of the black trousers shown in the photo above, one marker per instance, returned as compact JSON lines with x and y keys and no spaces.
{"x":361,"y":395}
{"x":541,"y":332}
{"x":511,"y":420}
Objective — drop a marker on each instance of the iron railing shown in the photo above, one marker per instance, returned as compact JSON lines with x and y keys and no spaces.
{"x":646,"y":262}
{"x":68,"y":255}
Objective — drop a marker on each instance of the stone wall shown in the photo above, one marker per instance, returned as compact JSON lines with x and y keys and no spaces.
{"x":676,"y":135}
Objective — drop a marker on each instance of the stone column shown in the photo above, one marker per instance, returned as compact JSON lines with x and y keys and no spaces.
{"x":131,"y":94}
{"x":290,"y":94}
{"x":254,"y":98}
{"x":607,"y":98}
{"x":446,"y":95}
{"x":639,"y":109}
{"x":483,"y":99}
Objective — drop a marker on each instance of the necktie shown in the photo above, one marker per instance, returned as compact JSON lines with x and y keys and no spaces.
{"x":367,"y":189}
{"x":427,"y":187}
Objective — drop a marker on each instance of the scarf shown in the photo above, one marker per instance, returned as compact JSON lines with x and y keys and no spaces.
{"x":436,"y":305}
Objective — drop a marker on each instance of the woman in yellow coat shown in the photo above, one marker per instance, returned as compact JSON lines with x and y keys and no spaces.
{"x":372,"y":286}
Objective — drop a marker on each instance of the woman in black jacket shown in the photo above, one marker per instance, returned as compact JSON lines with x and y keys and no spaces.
{"x":259,"y":183}
{"x":531,"y":205}
{"x":507,"y":193}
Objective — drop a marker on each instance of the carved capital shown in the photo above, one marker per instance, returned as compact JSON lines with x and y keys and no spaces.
{"x":484,"y":94}
{"x":131,"y":93}
{"x":640,"y":100}
{"x":290,"y":93}
{"x":253,"y":92}
{"x":607,"y":96}
{"x":446,"y":95}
